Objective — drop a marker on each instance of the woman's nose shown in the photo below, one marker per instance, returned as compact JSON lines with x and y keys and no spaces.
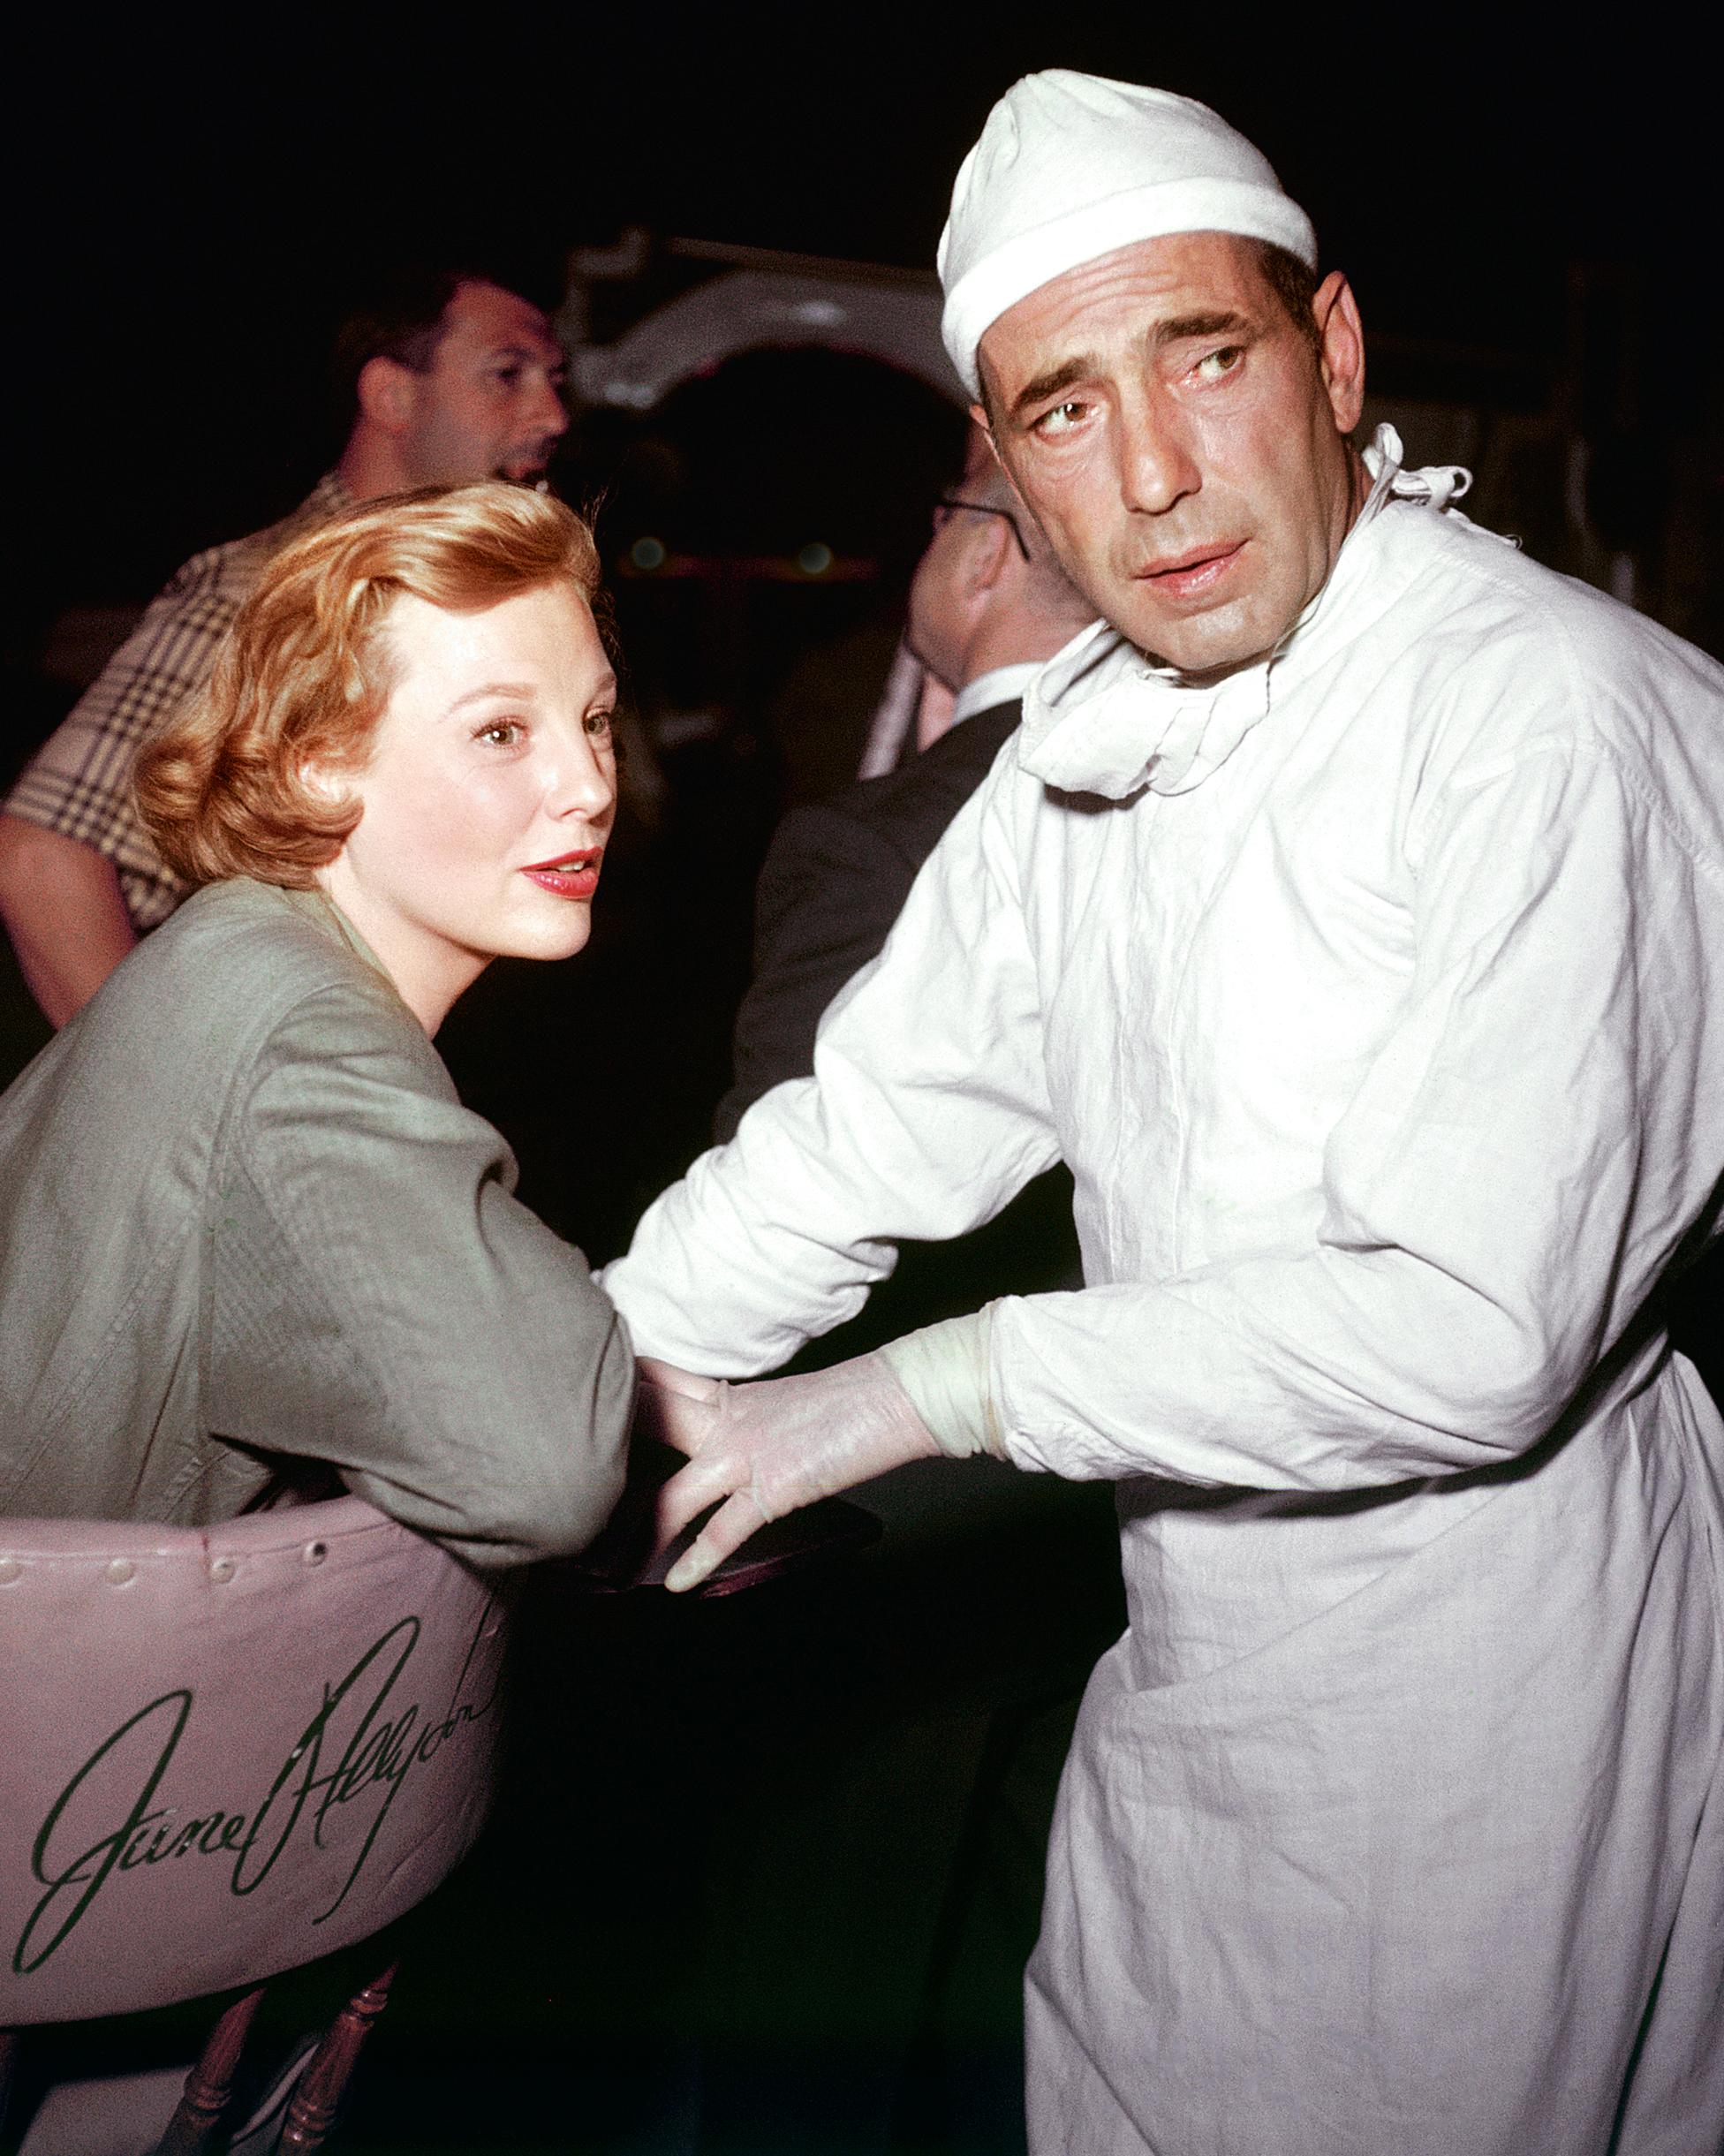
{"x":584,"y":782}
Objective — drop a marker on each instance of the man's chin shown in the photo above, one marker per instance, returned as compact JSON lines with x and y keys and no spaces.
{"x":1200,"y":644}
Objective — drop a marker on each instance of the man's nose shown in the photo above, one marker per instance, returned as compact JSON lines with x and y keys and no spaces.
{"x":1157,"y":468}
{"x":550,"y":414}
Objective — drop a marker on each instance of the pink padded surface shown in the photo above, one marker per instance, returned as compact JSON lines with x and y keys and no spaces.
{"x":224,"y":1752}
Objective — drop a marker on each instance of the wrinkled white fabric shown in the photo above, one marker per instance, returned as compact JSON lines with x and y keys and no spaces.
{"x":1069,"y":167}
{"x":1389,"y":1059}
{"x":946,"y":1370}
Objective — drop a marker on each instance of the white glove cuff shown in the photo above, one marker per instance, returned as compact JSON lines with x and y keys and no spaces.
{"x":944,"y":1369}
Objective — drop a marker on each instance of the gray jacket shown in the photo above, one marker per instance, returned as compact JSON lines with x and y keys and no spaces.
{"x":243,"y":1214}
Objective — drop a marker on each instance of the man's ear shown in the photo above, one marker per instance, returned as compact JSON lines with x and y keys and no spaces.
{"x":988,"y":554}
{"x":387,"y":392}
{"x":1342,"y":336}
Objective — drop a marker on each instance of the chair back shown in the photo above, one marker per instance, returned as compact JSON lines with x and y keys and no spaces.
{"x":228,"y":1751}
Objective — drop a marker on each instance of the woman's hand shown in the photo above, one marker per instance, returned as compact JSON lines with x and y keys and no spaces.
{"x":759,"y":1451}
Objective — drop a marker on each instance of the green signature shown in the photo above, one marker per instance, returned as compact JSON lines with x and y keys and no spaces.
{"x":381,"y":1753}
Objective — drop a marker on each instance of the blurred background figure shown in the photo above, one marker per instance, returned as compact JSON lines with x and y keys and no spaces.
{"x":447,"y":375}
{"x":997,"y":1596}
{"x":987,"y":604}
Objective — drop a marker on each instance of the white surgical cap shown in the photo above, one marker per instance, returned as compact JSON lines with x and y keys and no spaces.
{"x":1069,"y":167}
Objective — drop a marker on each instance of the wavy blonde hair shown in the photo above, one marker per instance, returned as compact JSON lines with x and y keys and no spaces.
{"x":302,"y":676}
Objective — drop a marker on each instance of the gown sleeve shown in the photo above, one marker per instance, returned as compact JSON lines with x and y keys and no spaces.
{"x":1537,"y":1138}
{"x":380,"y":1300}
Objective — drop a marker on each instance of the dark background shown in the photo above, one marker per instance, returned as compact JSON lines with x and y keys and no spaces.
{"x":194,"y":201}
{"x":189,"y":199}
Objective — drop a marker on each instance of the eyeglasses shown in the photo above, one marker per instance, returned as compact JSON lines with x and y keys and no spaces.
{"x":947,"y":502}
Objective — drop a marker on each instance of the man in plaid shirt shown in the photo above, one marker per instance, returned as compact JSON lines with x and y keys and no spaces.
{"x":453,"y":377}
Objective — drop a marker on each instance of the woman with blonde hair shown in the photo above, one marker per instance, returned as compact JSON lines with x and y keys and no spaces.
{"x":247,"y":1224}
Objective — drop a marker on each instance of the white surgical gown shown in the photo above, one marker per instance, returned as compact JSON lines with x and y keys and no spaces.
{"x":1376,"y":1000}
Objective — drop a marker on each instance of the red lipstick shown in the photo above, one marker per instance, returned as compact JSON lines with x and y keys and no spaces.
{"x":568,"y":875}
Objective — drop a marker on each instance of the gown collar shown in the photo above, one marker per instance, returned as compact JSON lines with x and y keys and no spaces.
{"x":1102,"y":718}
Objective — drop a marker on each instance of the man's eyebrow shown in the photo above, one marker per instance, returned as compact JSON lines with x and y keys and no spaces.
{"x":548,"y":356}
{"x":1055,"y":379}
{"x":1180,"y":327}
{"x":1175,"y":330}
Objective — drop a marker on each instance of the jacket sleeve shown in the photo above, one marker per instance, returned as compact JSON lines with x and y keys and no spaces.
{"x":926,"y":1112}
{"x":380,"y":1300}
{"x":1539,"y":1134}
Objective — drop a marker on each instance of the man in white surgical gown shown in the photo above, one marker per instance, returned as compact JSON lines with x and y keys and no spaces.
{"x":1350,"y":915}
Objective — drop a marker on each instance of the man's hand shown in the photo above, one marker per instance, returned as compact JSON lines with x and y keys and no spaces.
{"x":759,"y":1451}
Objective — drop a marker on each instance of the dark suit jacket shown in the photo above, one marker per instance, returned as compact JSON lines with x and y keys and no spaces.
{"x":835,"y":878}
{"x":940,"y":1668}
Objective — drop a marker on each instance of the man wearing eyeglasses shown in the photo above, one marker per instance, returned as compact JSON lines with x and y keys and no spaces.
{"x":988,"y":603}
{"x":974,"y":1749}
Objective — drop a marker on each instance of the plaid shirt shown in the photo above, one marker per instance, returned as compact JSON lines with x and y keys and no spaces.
{"x":79,"y":782}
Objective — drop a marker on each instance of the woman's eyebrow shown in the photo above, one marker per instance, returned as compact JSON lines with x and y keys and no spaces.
{"x":492,"y":688}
